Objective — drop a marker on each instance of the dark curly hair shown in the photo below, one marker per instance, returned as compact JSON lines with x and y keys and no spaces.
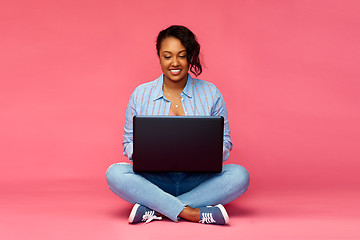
{"x":189,"y":40}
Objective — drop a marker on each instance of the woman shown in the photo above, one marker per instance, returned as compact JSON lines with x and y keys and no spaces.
{"x":194,"y":197}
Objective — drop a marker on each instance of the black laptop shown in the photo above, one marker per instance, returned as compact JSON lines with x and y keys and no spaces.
{"x":178,"y":143}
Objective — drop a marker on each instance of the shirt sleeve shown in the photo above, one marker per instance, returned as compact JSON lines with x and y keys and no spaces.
{"x":219,"y":109}
{"x":128,"y":128}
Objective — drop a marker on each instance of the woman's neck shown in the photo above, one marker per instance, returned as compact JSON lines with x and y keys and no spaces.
{"x":175,"y":85}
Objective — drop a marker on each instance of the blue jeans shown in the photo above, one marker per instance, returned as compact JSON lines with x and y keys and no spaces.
{"x":169,"y":193}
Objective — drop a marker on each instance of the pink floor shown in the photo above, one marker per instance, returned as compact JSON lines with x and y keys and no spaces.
{"x":88,"y":210}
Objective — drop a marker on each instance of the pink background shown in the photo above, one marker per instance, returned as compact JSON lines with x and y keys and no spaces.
{"x":288,"y":70}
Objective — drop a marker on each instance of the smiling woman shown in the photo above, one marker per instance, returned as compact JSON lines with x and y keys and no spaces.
{"x":173,"y":60}
{"x":188,"y":41}
{"x":191,"y":196}
{"x":175,"y":67}
{"x":178,"y":50}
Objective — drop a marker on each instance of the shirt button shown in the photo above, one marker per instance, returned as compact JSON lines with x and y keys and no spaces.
{"x":185,"y":112}
{"x":182,"y":99}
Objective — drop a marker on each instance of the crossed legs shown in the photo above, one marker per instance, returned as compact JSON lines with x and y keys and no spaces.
{"x":178,"y":195}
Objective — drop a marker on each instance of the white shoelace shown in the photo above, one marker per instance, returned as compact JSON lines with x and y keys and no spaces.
{"x":207,"y":218}
{"x":149,"y":216}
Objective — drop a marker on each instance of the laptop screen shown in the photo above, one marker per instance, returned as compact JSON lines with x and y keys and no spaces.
{"x":178,"y":143}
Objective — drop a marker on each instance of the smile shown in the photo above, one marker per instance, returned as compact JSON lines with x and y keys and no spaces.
{"x":175,"y":72}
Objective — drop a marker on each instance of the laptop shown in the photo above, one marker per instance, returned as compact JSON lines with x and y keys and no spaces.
{"x":178,"y":143}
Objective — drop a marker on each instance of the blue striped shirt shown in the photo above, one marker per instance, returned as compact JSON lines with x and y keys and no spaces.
{"x":199,"y":98}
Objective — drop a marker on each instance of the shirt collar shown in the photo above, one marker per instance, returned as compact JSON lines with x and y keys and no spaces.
{"x":159,"y":93}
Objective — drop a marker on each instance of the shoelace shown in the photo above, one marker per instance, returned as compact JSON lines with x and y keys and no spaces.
{"x":149,"y":216}
{"x":207,"y":218}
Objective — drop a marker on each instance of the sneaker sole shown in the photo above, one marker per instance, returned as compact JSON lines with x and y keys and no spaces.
{"x":224,"y":213}
{"x":133,"y":212}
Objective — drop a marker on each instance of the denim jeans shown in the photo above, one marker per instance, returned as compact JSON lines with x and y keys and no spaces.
{"x":169,"y":193}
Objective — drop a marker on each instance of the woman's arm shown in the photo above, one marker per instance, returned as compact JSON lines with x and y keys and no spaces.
{"x":219,"y":109}
{"x":128,"y":128}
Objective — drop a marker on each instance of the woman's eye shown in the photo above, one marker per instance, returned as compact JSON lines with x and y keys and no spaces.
{"x":167,"y":57}
{"x":182,"y":56}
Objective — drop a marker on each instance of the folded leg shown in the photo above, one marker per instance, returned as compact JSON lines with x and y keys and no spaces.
{"x":220,"y":188}
{"x":135,"y":188}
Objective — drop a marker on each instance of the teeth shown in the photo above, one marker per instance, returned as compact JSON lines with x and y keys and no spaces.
{"x":175,"y":71}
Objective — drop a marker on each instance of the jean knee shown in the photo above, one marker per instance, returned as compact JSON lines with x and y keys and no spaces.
{"x":240,"y":175}
{"x":115,"y":172}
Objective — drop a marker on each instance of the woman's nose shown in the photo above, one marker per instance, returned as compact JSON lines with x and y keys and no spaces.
{"x":175,"y":61}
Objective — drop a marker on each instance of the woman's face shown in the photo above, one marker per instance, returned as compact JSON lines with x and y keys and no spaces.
{"x":173,"y":59}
